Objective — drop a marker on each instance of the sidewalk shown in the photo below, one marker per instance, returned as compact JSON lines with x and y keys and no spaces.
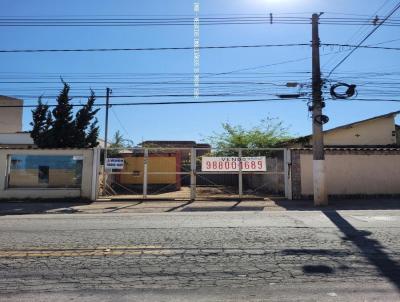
{"x":163,"y":206}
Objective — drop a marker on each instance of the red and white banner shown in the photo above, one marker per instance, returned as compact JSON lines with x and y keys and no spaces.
{"x":232,"y":164}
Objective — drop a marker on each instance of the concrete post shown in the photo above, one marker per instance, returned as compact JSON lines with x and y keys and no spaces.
{"x":240,"y":175}
{"x":320,"y":192}
{"x":288,"y":173}
{"x":145,"y":175}
{"x":193,"y":174}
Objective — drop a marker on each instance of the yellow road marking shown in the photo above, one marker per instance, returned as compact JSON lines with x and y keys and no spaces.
{"x":80,"y":252}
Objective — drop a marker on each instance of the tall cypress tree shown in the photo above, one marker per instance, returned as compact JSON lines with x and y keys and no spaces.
{"x":41,"y":123}
{"x":92,"y":135}
{"x":63,"y":128}
{"x":85,"y":130}
{"x":58,"y":128}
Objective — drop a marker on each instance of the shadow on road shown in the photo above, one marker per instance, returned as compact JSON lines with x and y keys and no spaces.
{"x":180,"y":206}
{"x":340,"y":204}
{"x":370,"y":248}
{"x":318,"y":269}
{"x":115,"y":209}
{"x":40,"y":206}
{"x":222,"y":208}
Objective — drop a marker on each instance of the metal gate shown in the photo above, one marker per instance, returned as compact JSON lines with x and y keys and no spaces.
{"x":180,"y":174}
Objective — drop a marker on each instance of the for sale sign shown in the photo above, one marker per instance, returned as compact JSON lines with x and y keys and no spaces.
{"x":232,"y":164}
{"x":115,"y":163}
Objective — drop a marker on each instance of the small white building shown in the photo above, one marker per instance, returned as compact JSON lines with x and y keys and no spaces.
{"x":27,"y":172}
{"x":11,"y":134}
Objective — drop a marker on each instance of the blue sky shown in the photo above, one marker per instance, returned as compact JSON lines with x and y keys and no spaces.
{"x":99,"y":70}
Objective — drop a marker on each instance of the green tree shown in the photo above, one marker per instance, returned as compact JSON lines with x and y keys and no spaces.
{"x":63,"y":130}
{"x":59,"y":129}
{"x":92,"y":135}
{"x":269,"y":133}
{"x":86,"y":132}
{"x":41,"y":122}
{"x":118,"y":142}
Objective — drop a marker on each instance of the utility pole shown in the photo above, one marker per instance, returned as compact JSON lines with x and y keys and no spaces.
{"x":108,"y":92}
{"x":320,"y":192}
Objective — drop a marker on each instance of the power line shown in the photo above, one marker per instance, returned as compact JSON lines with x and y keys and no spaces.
{"x":119,"y":121}
{"x":201,"y":102}
{"x":138,"y":96}
{"x":359,"y":30}
{"x":365,"y":38}
{"x":151,"y":48}
{"x":156,"y":76}
{"x":158,"y":103}
{"x":360,"y":46}
{"x":191,"y":48}
{"x":140,"y":82}
{"x":180,"y":21}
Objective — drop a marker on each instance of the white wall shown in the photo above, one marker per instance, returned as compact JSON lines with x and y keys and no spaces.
{"x":21,"y":138}
{"x":89,"y":175}
{"x":10,"y":117}
{"x":355,"y":174}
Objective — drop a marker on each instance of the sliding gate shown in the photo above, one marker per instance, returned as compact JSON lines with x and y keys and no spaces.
{"x":195,"y":173}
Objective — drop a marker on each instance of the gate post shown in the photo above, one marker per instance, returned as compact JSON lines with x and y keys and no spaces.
{"x":193,"y":174}
{"x":145,"y":162}
{"x":240,"y":174}
{"x":287,"y":166}
{"x":95,"y":174}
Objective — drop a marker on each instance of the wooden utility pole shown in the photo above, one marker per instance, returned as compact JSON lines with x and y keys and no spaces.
{"x":108,"y":91}
{"x":320,"y":192}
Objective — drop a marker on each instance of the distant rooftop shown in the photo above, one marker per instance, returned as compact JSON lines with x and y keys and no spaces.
{"x":173,"y":143}
{"x":303,"y":139}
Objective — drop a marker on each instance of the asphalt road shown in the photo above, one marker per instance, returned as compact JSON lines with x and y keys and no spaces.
{"x":208,"y":256}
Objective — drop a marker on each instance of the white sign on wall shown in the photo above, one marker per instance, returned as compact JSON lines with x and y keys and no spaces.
{"x":115,"y":163}
{"x":232,"y":164}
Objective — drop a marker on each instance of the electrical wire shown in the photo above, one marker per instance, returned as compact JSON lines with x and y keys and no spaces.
{"x":359,"y":31}
{"x":191,"y":48}
{"x":119,"y":121}
{"x":365,"y":38}
{"x":151,"y":48}
{"x":156,"y":103}
{"x":180,"y":21}
{"x":351,"y":91}
{"x":196,"y":102}
{"x":360,"y":46}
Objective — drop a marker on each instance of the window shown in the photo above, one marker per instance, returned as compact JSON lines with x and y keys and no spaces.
{"x":45,"y":171}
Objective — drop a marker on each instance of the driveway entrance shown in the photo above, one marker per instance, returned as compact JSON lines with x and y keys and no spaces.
{"x":196,"y":174}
